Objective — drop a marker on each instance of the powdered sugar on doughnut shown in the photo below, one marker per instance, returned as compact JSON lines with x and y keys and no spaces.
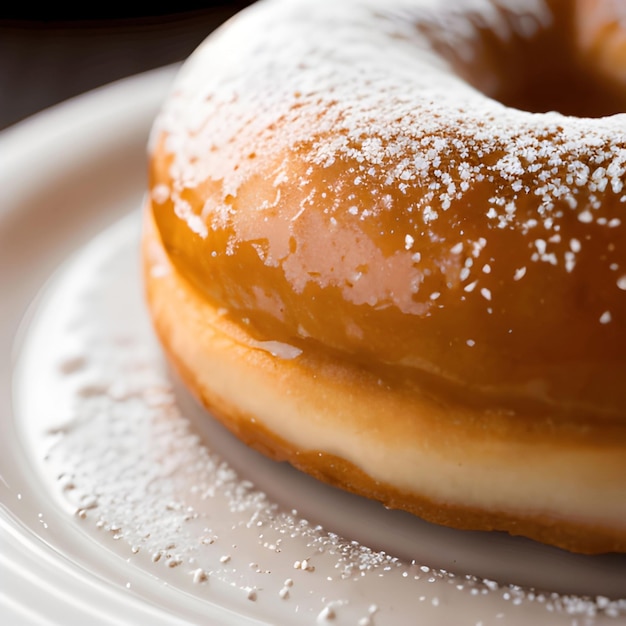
{"x":355,"y":80}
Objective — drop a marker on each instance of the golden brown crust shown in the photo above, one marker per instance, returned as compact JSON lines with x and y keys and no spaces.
{"x":213,"y":356}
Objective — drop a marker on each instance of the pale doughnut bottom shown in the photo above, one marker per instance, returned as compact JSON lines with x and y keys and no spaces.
{"x":461,"y":469}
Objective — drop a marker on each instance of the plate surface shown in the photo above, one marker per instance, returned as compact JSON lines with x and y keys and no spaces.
{"x":121,"y":502}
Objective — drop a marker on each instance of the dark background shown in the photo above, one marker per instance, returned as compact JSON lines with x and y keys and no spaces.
{"x":48,"y":56}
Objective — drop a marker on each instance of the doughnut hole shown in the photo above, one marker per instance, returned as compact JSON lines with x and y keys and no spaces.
{"x":567,"y":64}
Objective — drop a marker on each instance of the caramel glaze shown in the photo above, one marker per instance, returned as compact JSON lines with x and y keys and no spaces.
{"x":538,"y":341}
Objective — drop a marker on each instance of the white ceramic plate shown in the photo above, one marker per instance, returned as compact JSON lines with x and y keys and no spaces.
{"x":121,"y":502}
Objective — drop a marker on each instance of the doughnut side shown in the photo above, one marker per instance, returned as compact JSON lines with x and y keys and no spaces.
{"x":409,"y":449}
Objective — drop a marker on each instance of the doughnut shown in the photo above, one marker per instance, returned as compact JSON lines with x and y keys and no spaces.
{"x":385,"y":241}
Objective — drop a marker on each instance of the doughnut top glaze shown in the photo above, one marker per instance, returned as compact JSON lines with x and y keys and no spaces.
{"x":375,"y":198}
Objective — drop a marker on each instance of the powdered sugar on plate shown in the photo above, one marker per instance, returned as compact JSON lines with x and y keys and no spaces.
{"x":139,"y":470}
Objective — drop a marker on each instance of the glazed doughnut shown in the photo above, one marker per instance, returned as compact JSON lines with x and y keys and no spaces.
{"x":386,"y":241}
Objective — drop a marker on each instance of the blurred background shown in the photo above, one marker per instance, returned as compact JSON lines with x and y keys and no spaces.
{"x":52,"y":53}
